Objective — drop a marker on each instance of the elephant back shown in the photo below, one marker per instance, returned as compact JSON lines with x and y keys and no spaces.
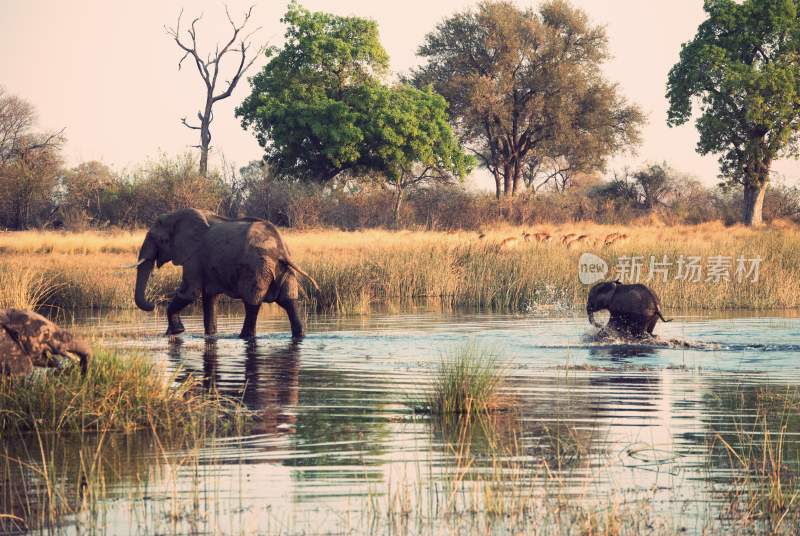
{"x":635,"y":299}
{"x":264,"y":236}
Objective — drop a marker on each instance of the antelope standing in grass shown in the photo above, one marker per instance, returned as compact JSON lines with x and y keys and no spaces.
{"x":567,"y":237}
{"x":615,"y":239}
{"x":509,"y":243}
{"x":576,"y":240}
{"x":609,"y":239}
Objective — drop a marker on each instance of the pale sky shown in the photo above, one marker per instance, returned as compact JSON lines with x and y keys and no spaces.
{"x":107,"y":72}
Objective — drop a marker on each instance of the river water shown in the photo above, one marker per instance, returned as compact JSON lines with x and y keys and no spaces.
{"x":662,"y":430}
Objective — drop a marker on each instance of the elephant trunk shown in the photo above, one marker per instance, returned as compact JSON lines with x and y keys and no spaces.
{"x":290,"y":306}
{"x":147,"y":258}
{"x":84,"y":353}
{"x":590,"y":312}
{"x":65,"y":344}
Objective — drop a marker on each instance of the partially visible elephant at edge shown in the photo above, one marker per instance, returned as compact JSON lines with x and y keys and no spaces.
{"x":28,"y":340}
{"x":634,"y":309}
{"x":244,"y":259}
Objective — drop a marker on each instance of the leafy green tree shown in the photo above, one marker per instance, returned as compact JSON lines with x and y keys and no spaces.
{"x":408,"y":140}
{"x":320,"y":108}
{"x":744,"y":67}
{"x":525,"y":89}
{"x":302,"y":105}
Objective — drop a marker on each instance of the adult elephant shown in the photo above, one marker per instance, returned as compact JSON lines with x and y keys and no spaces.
{"x":28,"y":340}
{"x":244,"y":258}
{"x":634,"y":309}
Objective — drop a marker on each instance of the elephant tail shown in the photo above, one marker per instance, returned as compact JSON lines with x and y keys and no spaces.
{"x":303,"y":273}
{"x":662,"y":317}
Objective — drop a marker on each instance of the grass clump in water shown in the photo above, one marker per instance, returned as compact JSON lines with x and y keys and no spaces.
{"x":120,"y":393}
{"x":468,"y":382}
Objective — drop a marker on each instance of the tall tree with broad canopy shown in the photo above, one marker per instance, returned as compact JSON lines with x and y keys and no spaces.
{"x":320,"y":108}
{"x":408,"y":140}
{"x":525,"y":89}
{"x":744,"y":67}
{"x":302,"y":105}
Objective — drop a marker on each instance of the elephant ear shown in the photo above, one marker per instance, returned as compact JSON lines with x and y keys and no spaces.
{"x":16,"y":346}
{"x":19,"y":325}
{"x":605,"y":292}
{"x":188,"y":229}
{"x":14,"y":360}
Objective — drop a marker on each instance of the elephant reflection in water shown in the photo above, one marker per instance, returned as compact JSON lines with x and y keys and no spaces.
{"x":270,"y":385}
{"x":623,"y":353}
{"x":635,"y":390}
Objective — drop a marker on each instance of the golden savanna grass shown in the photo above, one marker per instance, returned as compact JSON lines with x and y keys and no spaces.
{"x":358,"y":269}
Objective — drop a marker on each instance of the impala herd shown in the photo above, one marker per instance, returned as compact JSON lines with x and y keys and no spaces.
{"x":568,"y":239}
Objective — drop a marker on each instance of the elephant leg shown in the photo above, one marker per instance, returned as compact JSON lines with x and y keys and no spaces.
{"x":636,"y":325}
{"x":250,"y":318}
{"x":652,"y":324}
{"x":290,"y":306}
{"x":627,"y":325}
{"x":185,"y":295}
{"x":210,"y":313}
{"x":617,"y":324}
{"x":640,"y":326}
{"x":174,"y":308}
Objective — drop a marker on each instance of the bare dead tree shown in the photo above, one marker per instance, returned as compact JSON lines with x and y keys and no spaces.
{"x":209,"y":68}
{"x":17,"y":118}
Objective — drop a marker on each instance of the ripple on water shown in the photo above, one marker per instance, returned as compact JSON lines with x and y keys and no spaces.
{"x":602,"y":416}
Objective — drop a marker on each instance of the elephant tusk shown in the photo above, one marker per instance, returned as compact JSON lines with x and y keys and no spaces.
{"x":134,"y":265}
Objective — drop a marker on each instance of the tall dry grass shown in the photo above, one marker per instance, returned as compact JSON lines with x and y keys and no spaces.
{"x":358,"y":269}
{"x":83,"y":243}
{"x":23,"y":287}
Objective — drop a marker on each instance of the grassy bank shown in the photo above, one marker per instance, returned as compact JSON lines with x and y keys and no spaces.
{"x":118,"y":394}
{"x":357,"y":269}
{"x":67,"y":440}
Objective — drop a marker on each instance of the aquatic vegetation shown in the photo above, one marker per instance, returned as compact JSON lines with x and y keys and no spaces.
{"x":762,"y":457}
{"x":120,"y":393}
{"x":468,"y":382}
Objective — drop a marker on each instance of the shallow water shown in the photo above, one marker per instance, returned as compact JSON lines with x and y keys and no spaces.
{"x":337,"y":448}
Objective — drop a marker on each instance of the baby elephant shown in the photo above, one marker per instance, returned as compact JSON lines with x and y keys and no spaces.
{"x":30,"y":340}
{"x":634,"y":308}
